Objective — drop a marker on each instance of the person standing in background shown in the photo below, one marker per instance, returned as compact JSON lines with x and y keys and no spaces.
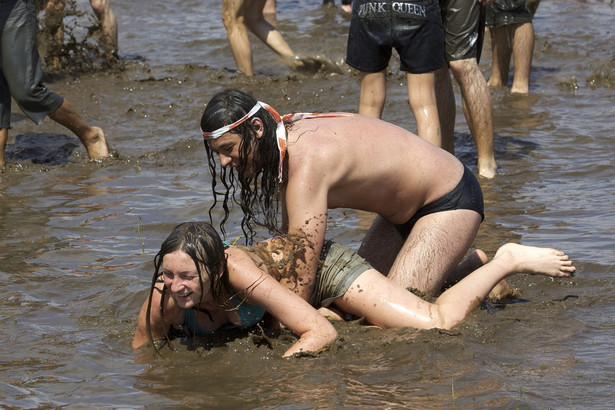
{"x":21,"y":78}
{"x":414,"y":29}
{"x":102,"y":9}
{"x":512,"y":34}
{"x":463,"y":23}
{"x":238,"y":17}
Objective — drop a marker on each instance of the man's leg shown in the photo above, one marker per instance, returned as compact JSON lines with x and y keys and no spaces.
{"x":436,"y":245}
{"x":381,"y":245}
{"x":267,"y":33}
{"x":92,"y":138}
{"x":107,"y":19}
{"x":4,"y":135}
{"x":373,"y":94}
{"x":477,"y":110}
{"x":501,"y":52}
{"x":523,"y":48}
{"x":5,"y":113}
{"x":270,"y":8}
{"x":445,"y":99}
{"x":54,"y":25}
{"x":422,"y":97}
{"x":237,"y":34}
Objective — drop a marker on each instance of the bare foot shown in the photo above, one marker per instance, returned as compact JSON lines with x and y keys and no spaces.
{"x":503,"y":290}
{"x":96,"y":144}
{"x":536,"y":261}
{"x":520,"y":90}
{"x":311,"y":64}
{"x":487,"y":167}
{"x":494,"y":82}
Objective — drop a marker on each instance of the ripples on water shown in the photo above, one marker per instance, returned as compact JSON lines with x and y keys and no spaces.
{"x":77,"y":238}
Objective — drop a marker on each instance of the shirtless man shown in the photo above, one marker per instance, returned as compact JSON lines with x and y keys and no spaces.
{"x":463,"y":33}
{"x":21,"y":78}
{"x":429,"y":205}
{"x":414,"y":29}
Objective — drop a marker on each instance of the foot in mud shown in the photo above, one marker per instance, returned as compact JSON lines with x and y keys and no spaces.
{"x":312,"y":64}
{"x":503,"y":290}
{"x":96,"y":144}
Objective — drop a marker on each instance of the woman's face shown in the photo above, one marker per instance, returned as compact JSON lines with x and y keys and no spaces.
{"x":182,"y":278}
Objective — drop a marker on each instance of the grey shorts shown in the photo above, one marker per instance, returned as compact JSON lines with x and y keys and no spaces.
{"x":464,"y":28}
{"x":338,"y":269}
{"x":21,"y":73}
{"x":507,"y":12}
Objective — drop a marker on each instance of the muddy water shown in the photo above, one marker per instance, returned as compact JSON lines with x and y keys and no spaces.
{"x":77,"y":238}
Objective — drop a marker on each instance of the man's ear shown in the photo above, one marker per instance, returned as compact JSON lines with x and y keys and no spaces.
{"x":257,"y":125}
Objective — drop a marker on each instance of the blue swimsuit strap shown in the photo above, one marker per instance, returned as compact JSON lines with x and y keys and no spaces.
{"x":248,"y":315}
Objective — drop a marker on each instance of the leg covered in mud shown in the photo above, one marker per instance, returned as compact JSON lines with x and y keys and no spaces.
{"x":93,"y":138}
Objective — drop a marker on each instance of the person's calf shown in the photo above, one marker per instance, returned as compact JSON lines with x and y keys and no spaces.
{"x":4,"y":134}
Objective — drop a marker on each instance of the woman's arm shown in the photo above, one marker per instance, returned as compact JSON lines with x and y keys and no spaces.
{"x":172,"y":316}
{"x":259,"y":288}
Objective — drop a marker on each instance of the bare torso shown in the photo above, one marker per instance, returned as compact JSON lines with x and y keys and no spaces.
{"x":369,"y":164}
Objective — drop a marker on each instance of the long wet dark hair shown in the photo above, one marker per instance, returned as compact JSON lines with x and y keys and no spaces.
{"x":203,"y":244}
{"x":258,"y":192}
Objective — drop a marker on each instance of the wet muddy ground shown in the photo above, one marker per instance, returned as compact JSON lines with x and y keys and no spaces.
{"x":77,"y":238}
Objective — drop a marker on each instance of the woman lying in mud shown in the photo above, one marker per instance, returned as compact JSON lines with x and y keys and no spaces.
{"x":206,"y":285}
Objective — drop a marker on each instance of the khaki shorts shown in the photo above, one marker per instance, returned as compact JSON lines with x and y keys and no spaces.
{"x":339,"y":269}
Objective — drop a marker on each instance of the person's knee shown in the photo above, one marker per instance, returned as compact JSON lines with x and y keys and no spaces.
{"x":232,"y":21}
{"x":464,"y":69}
{"x":461,"y":66}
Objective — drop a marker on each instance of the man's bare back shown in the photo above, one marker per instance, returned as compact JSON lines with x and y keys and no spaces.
{"x":369,"y":164}
{"x":429,"y":205}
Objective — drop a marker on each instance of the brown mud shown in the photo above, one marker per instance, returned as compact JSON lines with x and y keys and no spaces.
{"x":77,"y":237}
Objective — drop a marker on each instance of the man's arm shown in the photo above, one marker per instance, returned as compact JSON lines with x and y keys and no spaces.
{"x":305,"y":210}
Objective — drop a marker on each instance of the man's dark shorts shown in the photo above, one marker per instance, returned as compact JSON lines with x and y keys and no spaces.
{"x":466,"y":195}
{"x":464,"y":26}
{"x":506,"y":12}
{"x":20,"y":66}
{"x":413,"y":28}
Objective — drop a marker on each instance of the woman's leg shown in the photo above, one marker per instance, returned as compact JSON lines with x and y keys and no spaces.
{"x":388,"y":305}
